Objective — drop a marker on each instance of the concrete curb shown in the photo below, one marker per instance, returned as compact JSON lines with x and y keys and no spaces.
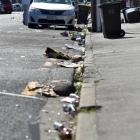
{"x":86,"y":128}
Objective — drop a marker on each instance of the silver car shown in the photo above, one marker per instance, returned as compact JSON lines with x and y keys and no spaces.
{"x":51,"y":12}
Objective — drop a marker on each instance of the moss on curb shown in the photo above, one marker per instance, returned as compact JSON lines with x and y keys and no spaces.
{"x":78,"y":87}
{"x":78,"y":76}
{"x":87,"y":110}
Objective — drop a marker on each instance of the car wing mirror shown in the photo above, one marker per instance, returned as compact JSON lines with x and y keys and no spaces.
{"x":73,"y":3}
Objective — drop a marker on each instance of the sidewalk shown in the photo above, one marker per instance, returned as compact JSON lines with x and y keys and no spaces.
{"x":112,"y":73}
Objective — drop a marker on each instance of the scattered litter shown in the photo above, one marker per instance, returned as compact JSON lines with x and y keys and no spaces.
{"x":77,"y":58}
{"x":45,"y":111}
{"x":78,"y":38}
{"x":69,"y":108}
{"x":34,"y":88}
{"x":27,"y":137}
{"x":65,"y":34}
{"x":64,"y":133}
{"x":34,"y":85}
{"x":49,"y":119}
{"x":30,"y":117}
{"x":73,"y":99}
{"x":81,"y":42}
{"x":69,"y":64}
{"x":58,"y":113}
{"x":75,"y":47}
{"x":79,"y":29}
{"x":72,"y":95}
{"x":58,"y":126}
{"x":48,"y":64}
{"x":68,"y":100}
{"x":17,"y":105}
{"x":51,"y":53}
{"x":70,"y":104}
{"x":76,"y":35}
{"x":49,"y":131}
{"x":22,"y":56}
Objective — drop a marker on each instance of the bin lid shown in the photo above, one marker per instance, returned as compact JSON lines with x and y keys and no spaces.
{"x":131,"y":10}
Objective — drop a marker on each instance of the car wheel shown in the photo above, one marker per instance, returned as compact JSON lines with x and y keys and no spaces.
{"x":70,"y":27}
{"x":9,"y":12}
{"x":32,"y":26}
{"x":122,"y":33}
{"x":45,"y":26}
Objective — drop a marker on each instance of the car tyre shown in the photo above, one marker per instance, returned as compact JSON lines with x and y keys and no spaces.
{"x":45,"y":26}
{"x":32,"y":26}
{"x":9,"y":12}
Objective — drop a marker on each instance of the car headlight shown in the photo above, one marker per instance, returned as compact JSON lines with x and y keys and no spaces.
{"x":69,"y":12}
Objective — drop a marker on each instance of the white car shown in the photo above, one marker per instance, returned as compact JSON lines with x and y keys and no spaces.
{"x":51,"y":12}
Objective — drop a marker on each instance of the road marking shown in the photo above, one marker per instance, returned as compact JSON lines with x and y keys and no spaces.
{"x":24,"y":96}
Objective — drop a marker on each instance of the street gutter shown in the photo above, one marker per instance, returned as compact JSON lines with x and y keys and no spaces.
{"x":86,"y":127}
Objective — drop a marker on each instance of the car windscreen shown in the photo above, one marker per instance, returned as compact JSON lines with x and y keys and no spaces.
{"x":55,"y":1}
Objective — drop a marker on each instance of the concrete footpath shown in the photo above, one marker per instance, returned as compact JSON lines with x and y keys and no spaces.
{"x":112,"y":75}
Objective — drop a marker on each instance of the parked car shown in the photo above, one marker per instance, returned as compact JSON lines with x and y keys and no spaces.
{"x":5,"y":6}
{"x":51,"y":12}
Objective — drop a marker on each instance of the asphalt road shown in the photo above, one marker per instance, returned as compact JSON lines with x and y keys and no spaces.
{"x":21,"y":60}
{"x":21,"y":53}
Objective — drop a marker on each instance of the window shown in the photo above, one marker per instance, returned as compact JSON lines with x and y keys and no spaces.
{"x":55,"y":1}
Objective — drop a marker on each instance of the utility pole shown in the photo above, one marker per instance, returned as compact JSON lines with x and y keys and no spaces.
{"x":98,"y":19}
{"x":95,"y":16}
{"x":129,"y":3}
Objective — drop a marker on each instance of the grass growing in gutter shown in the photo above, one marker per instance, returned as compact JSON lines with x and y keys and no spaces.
{"x":87,"y":110}
{"x":78,"y":87}
{"x":96,"y":81}
{"x":78,"y":79}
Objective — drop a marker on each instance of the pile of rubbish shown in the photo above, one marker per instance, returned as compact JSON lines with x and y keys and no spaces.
{"x":68,"y":64}
{"x":71,"y":102}
{"x":34,"y":88}
{"x":63,"y":132}
{"x":77,"y":36}
{"x":54,"y":53}
{"x":70,"y":105}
